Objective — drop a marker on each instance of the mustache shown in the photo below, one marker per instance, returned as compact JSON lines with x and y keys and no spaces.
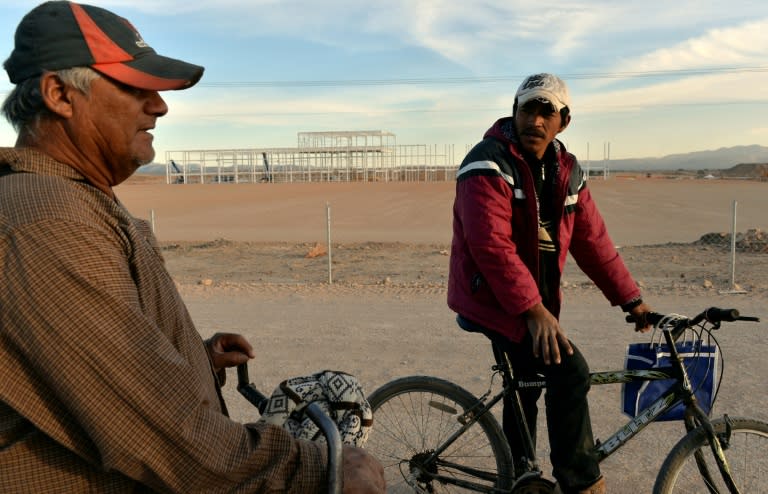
{"x":533,"y":132}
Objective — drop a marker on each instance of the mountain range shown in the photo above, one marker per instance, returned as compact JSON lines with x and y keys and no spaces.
{"x":718,"y":159}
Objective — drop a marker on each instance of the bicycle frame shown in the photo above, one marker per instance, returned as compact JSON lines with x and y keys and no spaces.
{"x":644,"y":417}
{"x":681,"y":391}
{"x":602,"y":449}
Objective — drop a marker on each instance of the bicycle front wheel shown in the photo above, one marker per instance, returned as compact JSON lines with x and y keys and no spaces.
{"x":413,"y":417}
{"x":747,"y":455}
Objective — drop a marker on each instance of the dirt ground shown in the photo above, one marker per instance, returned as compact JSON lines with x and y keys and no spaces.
{"x":658,"y":269}
{"x":249,"y":259}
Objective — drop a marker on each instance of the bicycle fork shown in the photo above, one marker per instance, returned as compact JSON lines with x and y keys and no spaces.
{"x":694,"y":418}
{"x":718,"y":444}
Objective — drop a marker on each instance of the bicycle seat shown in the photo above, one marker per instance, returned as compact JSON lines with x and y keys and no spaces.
{"x":468,"y":325}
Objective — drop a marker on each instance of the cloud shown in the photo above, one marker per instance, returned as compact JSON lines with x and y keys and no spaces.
{"x":479,"y":37}
{"x":722,"y":67}
{"x":334,"y":103}
{"x":742,"y":45}
{"x":721,"y":89}
{"x":484,"y":34}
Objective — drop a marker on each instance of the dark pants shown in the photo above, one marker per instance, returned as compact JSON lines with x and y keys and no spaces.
{"x":568,"y":422}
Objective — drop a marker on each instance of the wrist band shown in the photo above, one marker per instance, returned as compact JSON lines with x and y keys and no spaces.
{"x":631,"y":304}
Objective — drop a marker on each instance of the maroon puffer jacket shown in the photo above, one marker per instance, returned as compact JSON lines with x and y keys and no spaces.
{"x":494,"y":265}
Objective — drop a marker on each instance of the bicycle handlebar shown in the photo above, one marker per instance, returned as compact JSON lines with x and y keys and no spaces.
{"x":713,"y":315}
{"x":315,"y":413}
{"x":333,"y":438}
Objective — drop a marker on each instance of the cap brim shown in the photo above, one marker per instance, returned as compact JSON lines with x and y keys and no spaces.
{"x":153,"y":72}
{"x":542,"y":96}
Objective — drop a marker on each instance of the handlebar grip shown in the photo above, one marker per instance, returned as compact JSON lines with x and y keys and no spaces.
{"x":713,"y":314}
{"x":651,"y":318}
{"x":248,"y":390}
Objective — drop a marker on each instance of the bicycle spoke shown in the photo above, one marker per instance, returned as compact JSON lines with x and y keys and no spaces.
{"x":415,"y":419}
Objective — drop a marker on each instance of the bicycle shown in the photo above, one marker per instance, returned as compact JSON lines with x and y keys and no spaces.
{"x":435,"y":436}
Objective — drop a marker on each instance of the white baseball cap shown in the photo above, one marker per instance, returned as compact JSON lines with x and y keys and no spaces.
{"x":544,"y":87}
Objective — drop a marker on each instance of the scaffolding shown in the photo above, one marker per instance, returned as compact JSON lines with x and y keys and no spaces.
{"x":349,"y":156}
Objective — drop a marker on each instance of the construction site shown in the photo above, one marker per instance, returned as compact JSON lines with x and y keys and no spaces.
{"x":341,"y":156}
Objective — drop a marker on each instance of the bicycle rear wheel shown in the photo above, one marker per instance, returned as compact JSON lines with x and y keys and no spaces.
{"x":747,"y":456}
{"x":415,"y":415}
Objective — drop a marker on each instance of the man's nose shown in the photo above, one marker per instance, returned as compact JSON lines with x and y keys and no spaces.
{"x":535,"y":118}
{"x":156,"y":105}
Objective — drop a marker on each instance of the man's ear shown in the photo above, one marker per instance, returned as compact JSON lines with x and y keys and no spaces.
{"x":565,"y":123}
{"x":56,"y":95}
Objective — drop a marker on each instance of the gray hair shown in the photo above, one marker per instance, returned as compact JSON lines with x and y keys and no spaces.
{"x":24,"y":106}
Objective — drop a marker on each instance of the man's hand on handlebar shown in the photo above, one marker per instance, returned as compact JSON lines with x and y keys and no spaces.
{"x":363,"y":474}
{"x":228,"y":350}
{"x":638,"y":315}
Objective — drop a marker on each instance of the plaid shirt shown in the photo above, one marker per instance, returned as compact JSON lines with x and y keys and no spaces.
{"x":105,"y":384}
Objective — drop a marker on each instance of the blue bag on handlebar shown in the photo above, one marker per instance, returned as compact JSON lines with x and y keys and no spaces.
{"x":701,"y":363}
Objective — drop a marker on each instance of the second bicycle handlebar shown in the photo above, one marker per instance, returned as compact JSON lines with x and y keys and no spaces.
{"x":713,"y":315}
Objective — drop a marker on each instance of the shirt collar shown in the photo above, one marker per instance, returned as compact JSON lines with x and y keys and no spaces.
{"x":28,"y":160}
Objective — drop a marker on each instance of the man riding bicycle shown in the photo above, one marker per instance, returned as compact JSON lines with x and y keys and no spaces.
{"x":521,"y":205}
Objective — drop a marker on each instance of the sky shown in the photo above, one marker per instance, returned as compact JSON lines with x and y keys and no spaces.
{"x":647,"y":79}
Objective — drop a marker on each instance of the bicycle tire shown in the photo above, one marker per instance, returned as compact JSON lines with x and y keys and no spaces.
{"x":416,"y":414}
{"x":747,"y":457}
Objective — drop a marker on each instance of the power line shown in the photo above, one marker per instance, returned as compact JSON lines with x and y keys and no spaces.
{"x":436,"y":81}
{"x":479,"y":79}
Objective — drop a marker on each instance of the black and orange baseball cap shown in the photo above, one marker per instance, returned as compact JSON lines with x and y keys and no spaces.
{"x":60,"y":35}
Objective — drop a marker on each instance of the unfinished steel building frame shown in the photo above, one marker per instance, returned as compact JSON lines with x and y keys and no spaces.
{"x":345,"y":156}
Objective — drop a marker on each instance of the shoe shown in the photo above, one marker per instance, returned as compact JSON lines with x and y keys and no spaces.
{"x":596,"y":488}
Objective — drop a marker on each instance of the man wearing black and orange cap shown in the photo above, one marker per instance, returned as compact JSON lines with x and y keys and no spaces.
{"x":107,"y":385}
